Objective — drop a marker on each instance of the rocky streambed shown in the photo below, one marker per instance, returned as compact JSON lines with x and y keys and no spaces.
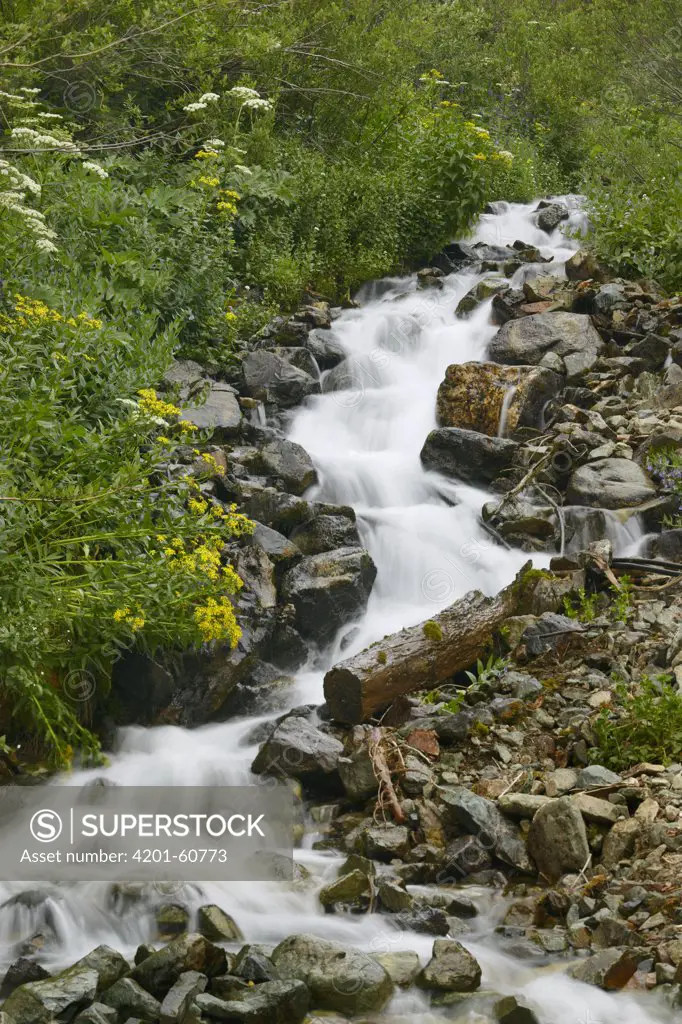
{"x":465,"y":851}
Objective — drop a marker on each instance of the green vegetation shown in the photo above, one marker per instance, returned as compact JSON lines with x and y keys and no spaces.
{"x":176,"y":173}
{"x":644,"y":725}
{"x":665,"y":466}
{"x":432,"y":630}
{"x":585,"y":609}
{"x":487,"y":670}
{"x":622,"y":600}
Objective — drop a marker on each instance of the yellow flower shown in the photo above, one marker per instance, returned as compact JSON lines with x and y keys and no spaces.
{"x":484,"y":134}
{"x":216,"y":621}
{"x":230,"y":315}
{"x":198,"y":506}
{"x":211,"y":182}
{"x":121,"y":614}
{"x":205,"y":154}
{"x":211,"y":462}
{"x":150,"y":405}
{"x":480,"y":156}
{"x":186,"y":427}
{"x":162,"y":439}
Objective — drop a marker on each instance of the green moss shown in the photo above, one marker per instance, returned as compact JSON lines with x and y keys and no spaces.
{"x":432,"y":630}
{"x":382,"y":657}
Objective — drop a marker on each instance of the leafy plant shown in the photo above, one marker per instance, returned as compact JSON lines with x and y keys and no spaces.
{"x":586,"y":608}
{"x":622,"y":601}
{"x":642,"y":725}
{"x":486,"y":671}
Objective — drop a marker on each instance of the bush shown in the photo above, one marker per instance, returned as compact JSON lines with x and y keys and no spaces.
{"x":644,"y":725}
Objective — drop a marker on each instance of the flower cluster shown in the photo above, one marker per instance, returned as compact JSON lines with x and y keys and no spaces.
{"x":433,"y":77}
{"x":228,"y":204}
{"x":134,"y":619}
{"x":202,"y":103}
{"x":250,"y":98}
{"x":151,"y":405}
{"x":216,"y":621}
{"x":34,"y":313}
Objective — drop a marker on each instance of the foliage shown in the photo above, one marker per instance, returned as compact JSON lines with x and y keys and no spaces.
{"x":586,"y":608}
{"x":644,"y":725}
{"x":622,"y":600}
{"x":488,"y":670}
{"x":665,"y":466}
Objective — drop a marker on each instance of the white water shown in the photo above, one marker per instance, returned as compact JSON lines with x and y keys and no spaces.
{"x":424,"y":536}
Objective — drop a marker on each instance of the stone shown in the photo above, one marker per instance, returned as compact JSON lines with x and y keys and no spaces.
{"x":451,"y":968}
{"x":346,"y":889}
{"x":547,"y":632}
{"x":466,"y":855}
{"x":510,"y":1011}
{"x":560,"y":782}
{"x":180,"y":996}
{"x":356,"y":768}
{"x":403,"y":966}
{"x":219,"y":412}
{"x":611,"y":969}
{"x":272,"y":1002}
{"x":610,"y":484}
{"x":393,"y":897}
{"x":424,"y":920}
{"x":522,"y":685}
{"x":386,"y":841}
{"x":583,"y":266}
{"x":96,"y":1013}
{"x":325,"y":533}
{"x":328,"y":591}
{"x":272,"y":379}
{"x":38,"y":1002}
{"x":288,"y":463}
{"x":550,"y":215}
{"x":340,"y":978}
{"x":467,"y":455}
{"x":218,"y":926}
{"x":20,"y":972}
{"x":253,"y":964}
{"x":279,"y":549}
{"x":171,"y":919}
{"x":521,"y":805}
{"x":478,"y":396}
{"x":570,"y":335}
{"x":601,"y":812}
{"x":481,"y":818}
{"x":595,"y":776}
{"x":325,"y":349}
{"x":299,"y":750}
{"x":557,"y":839}
{"x":129,"y":999}
{"x":620,"y":842}
{"x":193,"y":952}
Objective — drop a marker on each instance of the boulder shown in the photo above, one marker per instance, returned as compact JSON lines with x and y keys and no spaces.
{"x":253,"y":963}
{"x":569,"y":335}
{"x":550,"y":215}
{"x":403,"y":966}
{"x":386,"y":841}
{"x":466,"y":455}
{"x":610,"y":484}
{"x":193,"y":952}
{"x":96,"y":1013}
{"x":466,"y":855}
{"x":557,"y":839}
{"x":325,"y":349}
{"x":39,"y":1002}
{"x":424,"y":920}
{"x":347,"y":889}
{"x":129,"y":999}
{"x":478,"y":396}
{"x":619,"y":844}
{"x":218,"y":412}
{"x":288,"y":463}
{"x":107,"y":962}
{"x":328,"y":591}
{"x":326,"y":532}
{"x":298,"y":749}
{"x":279,"y":549}
{"x":611,"y":969}
{"x":180,"y":997}
{"x":272,"y":1002}
{"x":583,"y":266}
{"x":451,"y":968}
{"x":510,"y":1011}
{"x":20,"y":972}
{"x":481,"y":818}
{"x":272,"y":379}
{"x":214,"y":924}
{"x":340,"y":978}
{"x":521,"y":805}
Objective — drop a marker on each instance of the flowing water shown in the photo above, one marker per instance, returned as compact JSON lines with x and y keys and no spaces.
{"x":424,"y":535}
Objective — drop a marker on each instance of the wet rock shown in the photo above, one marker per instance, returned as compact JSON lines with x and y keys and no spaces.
{"x":466,"y":855}
{"x":356,"y":767}
{"x":386,"y":841}
{"x":325,"y":533}
{"x":610,"y":970}
{"x":214,"y":924}
{"x":478,"y":396}
{"x":254,"y":964}
{"x":39,"y":1002}
{"x":217,"y":411}
{"x":347,"y":889}
{"x":510,"y":1011}
{"x":481,"y":818}
{"x":179,"y":998}
{"x":325,"y":349}
{"x":171,"y":919}
{"x":158,"y":972}
{"x":279,"y":549}
{"x":288,"y":463}
{"x":557,"y":839}
{"x":569,"y":335}
{"x":96,"y":1013}
{"x":424,"y":920}
{"x":669,"y":545}
{"x":272,"y":379}
{"x":479,"y":293}
{"x":339,"y":978}
{"x":273,"y":1002}
{"x":129,"y":999}
{"x":403,"y":966}
{"x":329,"y":590}
{"x":467,"y":455}
{"x":451,"y":969}
{"x":298,"y":749}
{"x":393,"y":897}
{"x":550,"y":215}
{"x":610,"y":484}
{"x":20,"y":972}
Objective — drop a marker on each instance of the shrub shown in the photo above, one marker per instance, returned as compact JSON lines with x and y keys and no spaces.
{"x":644,"y":725}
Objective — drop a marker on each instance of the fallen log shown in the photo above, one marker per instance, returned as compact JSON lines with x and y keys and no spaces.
{"x":423,"y":656}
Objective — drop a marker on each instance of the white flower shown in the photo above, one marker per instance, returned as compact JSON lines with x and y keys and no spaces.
{"x":45,"y":245}
{"x":209,"y":97}
{"x":258,"y":104}
{"x":242,"y":169}
{"x":90,"y":165}
{"x":192,"y":107}
{"x":505,"y":154}
{"x":29,"y":135}
{"x":214,"y":144}
{"x":11,"y":96}
{"x":28,"y":91}
{"x":47,"y":114}
{"x":242,"y":93}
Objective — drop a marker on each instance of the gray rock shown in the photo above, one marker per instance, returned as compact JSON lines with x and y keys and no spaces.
{"x":272,"y":379}
{"x":466,"y":855}
{"x":325,"y":349}
{"x":253,"y":963}
{"x":193,"y":952}
{"x":347,"y":889}
{"x":451,"y":968}
{"x":288,"y":463}
{"x":610,"y":970}
{"x":602,"y":812}
{"x":424,"y":920}
{"x":339,"y":978}
{"x":481,"y":818}
{"x":273,"y":1002}
{"x":619,"y":844}
{"x":38,"y":1002}
{"x":179,"y":998}
{"x":328,"y":591}
{"x":550,"y":215}
{"x":547,"y":632}
{"x":386,"y":841}
{"x":521,"y":805}
{"x":522,"y":685}
{"x":557,"y":839}
{"x":20,"y":972}
{"x":279,"y":549}
{"x":610,"y":484}
{"x":403,"y":966}
{"x":393,"y":896}
{"x":220,"y":412}
{"x":596,"y":775}
{"x":299,"y":750}
{"x":96,"y":1013}
{"x":510,"y":1011}
{"x":129,"y":999}
{"x":467,"y":455}
{"x":326,"y":533}
{"x":171,"y":919}
{"x":569,"y":335}
{"x":214,"y":924}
